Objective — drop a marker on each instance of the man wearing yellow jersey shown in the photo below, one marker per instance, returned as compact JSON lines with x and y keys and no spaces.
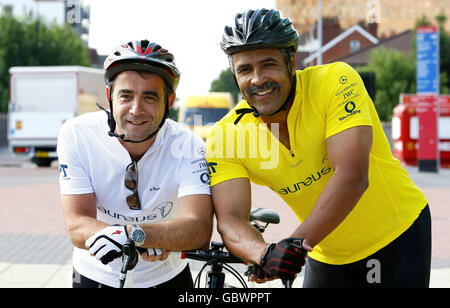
{"x":315,"y":139}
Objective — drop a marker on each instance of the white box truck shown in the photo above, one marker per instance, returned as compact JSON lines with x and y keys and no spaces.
{"x":42,"y":99}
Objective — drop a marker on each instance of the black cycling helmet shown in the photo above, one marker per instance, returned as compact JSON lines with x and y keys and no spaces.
{"x":255,"y":29}
{"x":142,"y":56}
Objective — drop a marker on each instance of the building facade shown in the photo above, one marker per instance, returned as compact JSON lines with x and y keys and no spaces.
{"x":73,"y":12}
{"x":392,"y":16}
{"x":344,"y":43}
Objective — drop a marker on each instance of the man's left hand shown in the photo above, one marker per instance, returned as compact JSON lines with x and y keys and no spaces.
{"x":154,"y":254}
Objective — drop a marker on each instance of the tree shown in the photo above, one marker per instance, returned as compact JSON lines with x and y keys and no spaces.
{"x":226,"y":83}
{"x":395,"y":73}
{"x":444,"y":46}
{"x":422,"y":21}
{"x":173,"y":112}
{"x":30,"y":41}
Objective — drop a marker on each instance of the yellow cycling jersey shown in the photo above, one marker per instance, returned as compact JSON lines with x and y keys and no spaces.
{"x":329,"y":99}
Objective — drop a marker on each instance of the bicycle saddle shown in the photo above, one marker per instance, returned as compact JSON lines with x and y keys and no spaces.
{"x":265,"y":215}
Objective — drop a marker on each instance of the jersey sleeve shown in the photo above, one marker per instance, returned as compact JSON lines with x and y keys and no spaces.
{"x":344,"y":99}
{"x":73,"y":178}
{"x":194,"y":175}
{"x":223,"y":165}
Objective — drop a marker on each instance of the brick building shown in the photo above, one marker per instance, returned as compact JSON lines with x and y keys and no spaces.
{"x":400,"y":42}
{"x":350,"y":27}
{"x":393,"y":16}
{"x":349,"y":41}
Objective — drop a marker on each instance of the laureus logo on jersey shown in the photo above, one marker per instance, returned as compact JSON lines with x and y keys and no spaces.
{"x":308,"y":181}
{"x":158,"y":213}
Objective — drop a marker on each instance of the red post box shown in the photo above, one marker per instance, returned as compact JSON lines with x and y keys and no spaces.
{"x":405,"y":129}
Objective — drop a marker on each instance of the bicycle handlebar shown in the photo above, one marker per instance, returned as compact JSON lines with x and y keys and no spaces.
{"x":215,"y":254}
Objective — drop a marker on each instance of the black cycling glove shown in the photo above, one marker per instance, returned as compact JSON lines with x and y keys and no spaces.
{"x":284,"y":259}
{"x":259,"y":272}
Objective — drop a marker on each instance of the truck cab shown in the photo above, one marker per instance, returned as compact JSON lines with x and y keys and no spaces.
{"x":200,"y":112}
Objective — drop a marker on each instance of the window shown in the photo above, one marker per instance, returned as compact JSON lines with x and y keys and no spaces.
{"x":354,"y":45}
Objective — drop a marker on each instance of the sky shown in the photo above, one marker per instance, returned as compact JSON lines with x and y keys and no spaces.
{"x":189,"y":29}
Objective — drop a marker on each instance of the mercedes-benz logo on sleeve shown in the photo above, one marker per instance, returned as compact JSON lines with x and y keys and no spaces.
{"x":343,"y":79}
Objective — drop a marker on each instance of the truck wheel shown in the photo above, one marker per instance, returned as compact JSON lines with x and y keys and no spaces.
{"x":43,"y":162}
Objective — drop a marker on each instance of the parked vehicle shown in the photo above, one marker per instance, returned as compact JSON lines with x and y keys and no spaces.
{"x":406,"y":128}
{"x":200,"y":112}
{"x":42,"y":99}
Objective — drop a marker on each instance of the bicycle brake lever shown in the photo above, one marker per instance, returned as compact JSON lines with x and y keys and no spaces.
{"x":298,"y":243}
{"x":129,"y":260}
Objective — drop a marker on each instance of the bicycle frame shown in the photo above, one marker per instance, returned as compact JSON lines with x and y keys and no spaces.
{"x":216,"y":257}
{"x":219,"y":259}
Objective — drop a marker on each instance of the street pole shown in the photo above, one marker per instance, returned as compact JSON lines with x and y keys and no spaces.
{"x":319,"y":34}
{"x":427,"y":81}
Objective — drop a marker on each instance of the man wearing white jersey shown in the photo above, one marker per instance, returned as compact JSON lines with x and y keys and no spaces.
{"x":133,"y":171}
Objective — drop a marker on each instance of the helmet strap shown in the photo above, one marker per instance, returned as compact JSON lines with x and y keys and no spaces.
{"x":112,"y":121}
{"x":243,"y":111}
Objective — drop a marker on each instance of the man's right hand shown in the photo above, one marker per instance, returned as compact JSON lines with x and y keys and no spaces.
{"x":107,"y":244}
{"x":284,"y":259}
{"x":258,"y":275}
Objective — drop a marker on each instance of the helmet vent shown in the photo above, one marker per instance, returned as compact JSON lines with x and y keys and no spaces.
{"x":144,"y":44}
{"x":142,"y":55}
{"x":260,"y":28}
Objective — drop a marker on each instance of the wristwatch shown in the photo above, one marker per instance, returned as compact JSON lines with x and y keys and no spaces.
{"x":137,"y":235}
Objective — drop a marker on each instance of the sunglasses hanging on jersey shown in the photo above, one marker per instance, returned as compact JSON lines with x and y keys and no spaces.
{"x":131,"y":183}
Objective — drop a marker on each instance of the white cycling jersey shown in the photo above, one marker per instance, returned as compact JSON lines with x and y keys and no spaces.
{"x":93,"y":162}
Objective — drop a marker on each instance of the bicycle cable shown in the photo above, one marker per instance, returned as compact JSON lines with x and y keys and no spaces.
{"x":236,"y":274}
{"x":226,"y":267}
{"x":199,"y":275}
